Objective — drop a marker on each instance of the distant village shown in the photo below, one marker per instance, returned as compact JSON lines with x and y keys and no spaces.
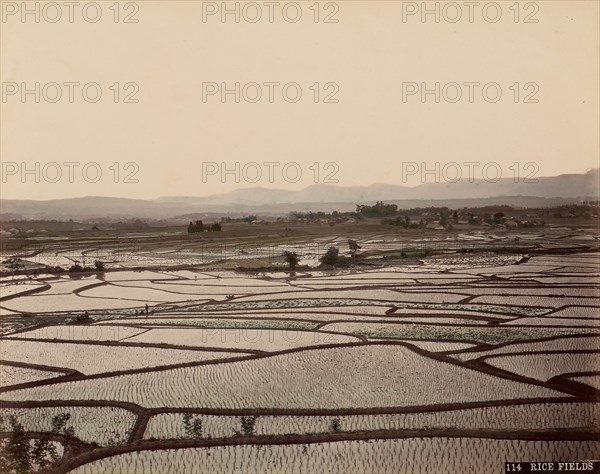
{"x":430,"y":218}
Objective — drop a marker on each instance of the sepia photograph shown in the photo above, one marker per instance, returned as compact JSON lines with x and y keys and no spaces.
{"x":299,"y":237}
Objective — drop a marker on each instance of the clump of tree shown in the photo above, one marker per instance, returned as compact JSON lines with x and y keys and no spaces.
{"x":319,"y":216}
{"x":14,"y":264}
{"x":475,"y":220}
{"x":131,"y":225}
{"x":24,"y":454}
{"x":200,"y":227}
{"x":247,"y":219}
{"x":496,"y":219}
{"x":83,"y":318}
{"x":575,"y":210}
{"x":78,"y":268}
{"x":195,"y":227}
{"x":379,"y":209}
{"x":401,"y":221}
{"x":291,"y":258}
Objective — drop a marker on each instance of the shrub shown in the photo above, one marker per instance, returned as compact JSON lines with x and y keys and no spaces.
{"x":247,"y":423}
{"x":59,"y":425}
{"x":331,"y":257}
{"x":76,"y":268}
{"x":99,"y":264}
{"x":335,"y":425}
{"x":192,"y":425}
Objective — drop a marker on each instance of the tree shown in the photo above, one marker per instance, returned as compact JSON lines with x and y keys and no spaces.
{"x":16,"y":457}
{"x":291,"y":259}
{"x":354,"y":247}
{"x":42,"y":449}
{"x":197,"y":227}
{"x":99,"y":264}
{"x":444,"y":216}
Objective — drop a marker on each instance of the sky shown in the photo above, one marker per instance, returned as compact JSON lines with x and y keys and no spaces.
{"x":347,"y":93}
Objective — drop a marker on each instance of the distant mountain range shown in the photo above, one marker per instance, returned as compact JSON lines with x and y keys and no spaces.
{"x":547,"y":191}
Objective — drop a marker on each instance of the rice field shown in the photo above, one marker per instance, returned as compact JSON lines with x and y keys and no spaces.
{"x":224,"y":323}
{"x":97,"y":332}
{"x":435,"y":346}
{"x":542,"y":366}
{"x":406,"y":352}
{"x":11,"y":289}
{"x":521,"y":292}
{"x":299,"y":302}
{"x":40,"y":303}
{"x":11,"y":375}
{"x":577,"y":312}
{"x":515,"y":417}
{"x":486,"y":334}
{"x":551,"y":321}
{"x":253,"y":339}
{"x":66,"y":286}
{"x":567,"y":344}
{"x":375,"y":294}
{"x":341,"y":378}
{"x":94,"y":359}
{"x":450,"y":455}
{"x":103,"y":425}
{"x":546,"y":301}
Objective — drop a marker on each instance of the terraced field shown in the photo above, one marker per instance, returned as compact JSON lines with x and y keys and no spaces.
{"x":453,"y":365}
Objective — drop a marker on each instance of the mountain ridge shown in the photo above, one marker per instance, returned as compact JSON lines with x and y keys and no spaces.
{"x":546,"y":191}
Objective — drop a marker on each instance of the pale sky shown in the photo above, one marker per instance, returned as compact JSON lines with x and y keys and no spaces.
{"x":370,"y":56}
